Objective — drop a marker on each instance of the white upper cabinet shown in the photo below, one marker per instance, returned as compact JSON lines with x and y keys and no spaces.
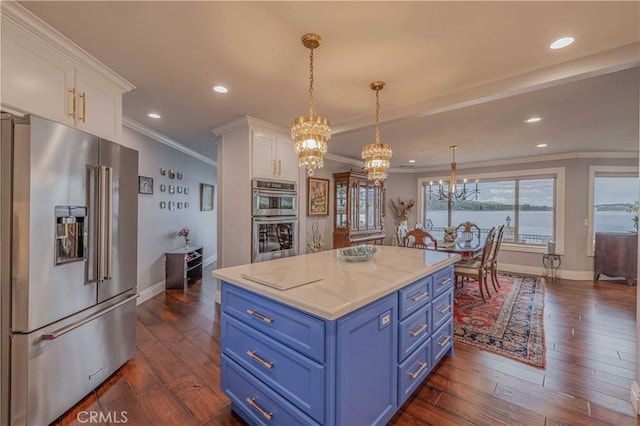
{"x":273,"y":156}
{"x":45,"y":74}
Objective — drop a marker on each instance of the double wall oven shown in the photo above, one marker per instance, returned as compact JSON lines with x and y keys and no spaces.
{"x":275,"y":220}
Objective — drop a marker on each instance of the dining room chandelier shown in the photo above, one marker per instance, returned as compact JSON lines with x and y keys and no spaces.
{"x":311,"y":132}
{"x":376,"y":155}
{"x":452,"y":190}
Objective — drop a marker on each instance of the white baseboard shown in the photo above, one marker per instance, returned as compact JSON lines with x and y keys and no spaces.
{"x":635,"y":396}
{"x":209,"y":260}
{"x":539,"y":270}
{"x":148,"y":293}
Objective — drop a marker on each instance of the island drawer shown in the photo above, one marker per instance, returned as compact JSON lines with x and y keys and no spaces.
{"x":257,"y":402}
{"x":413,"y":331}
{"x":442,"y":340}
{"x":413,"y":371}
{"x":415,"y":296}
{"x":442,"y":281}
{"x":295,"y":329}
{"x":296,"y":377}
{"x":442,"y":308}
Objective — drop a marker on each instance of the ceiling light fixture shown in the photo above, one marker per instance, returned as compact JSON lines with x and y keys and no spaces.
{"x":219,"y":89}
{"x":450,"y":191}
{"x":412,"y":161}
{"x":561,"y":42}
{"x":153,"y":115}
{"x":533,"y":120}
{"x":541,"y":145}
{"x":311,"y":132}
{"x":376,"y":155}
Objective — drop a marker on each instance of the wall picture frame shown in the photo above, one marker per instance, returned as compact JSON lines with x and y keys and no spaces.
{"x":206,"y":197}
{"x":317,"y":197}
{"x":145,"y":185}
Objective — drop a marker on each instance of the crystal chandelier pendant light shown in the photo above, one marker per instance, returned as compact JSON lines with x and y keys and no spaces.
{"x":376,"y":155}
{"x":311,"y":132}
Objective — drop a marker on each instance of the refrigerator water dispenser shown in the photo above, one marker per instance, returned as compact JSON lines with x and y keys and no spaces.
{"x":71,"y":234}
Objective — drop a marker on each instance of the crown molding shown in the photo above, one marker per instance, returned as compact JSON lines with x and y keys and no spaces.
{"x":22,"y":18}
{"x":345,"y":160}
{"x":159,"y":137}
{"x":521,"y":160}
{"x":248,"y":121}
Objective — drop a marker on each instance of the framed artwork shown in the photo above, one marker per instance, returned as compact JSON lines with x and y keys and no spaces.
{"x":206,"y":197}
{"x":145,"y":185}
{"x":317,"y":197}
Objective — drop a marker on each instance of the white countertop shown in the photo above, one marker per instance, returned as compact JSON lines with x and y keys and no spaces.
{"x":343,"y":286}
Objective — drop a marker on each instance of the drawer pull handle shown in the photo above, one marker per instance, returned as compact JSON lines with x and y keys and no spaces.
{"x":422,"y":328}
{"x":444,"y":282}
{"x":258,"y":315}
{"x":445,"y":341}
{"x":419,"y":297}
{"x":253,"y":355}
{"x":445,"y":309}
{"x":423,"y":365}
{"x":266,"y":415}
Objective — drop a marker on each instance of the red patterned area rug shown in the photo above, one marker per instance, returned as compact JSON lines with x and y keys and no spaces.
{"x":509,"y":324}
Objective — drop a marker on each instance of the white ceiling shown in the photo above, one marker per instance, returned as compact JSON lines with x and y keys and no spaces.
{"x":465,"y":73}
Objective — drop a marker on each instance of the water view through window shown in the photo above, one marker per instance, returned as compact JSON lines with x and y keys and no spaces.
{"x":615,"y":204}
{"x":524,"y":206}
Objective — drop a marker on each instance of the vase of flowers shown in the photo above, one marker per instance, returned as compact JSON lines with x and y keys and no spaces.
{"x":449,"y":234}
{"x":184,"y":232}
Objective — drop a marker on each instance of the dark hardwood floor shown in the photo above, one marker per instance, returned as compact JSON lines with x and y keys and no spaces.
{"x":590,"y":330}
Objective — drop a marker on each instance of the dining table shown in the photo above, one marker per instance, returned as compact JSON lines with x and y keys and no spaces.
{"x":465,"y":248}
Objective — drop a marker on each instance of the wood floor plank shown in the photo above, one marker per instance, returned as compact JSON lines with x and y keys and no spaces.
{"x":174,"y":377}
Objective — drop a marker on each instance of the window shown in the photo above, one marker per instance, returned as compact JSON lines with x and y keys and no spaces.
{"x":530,"y":204}
{"x":613,"y":194}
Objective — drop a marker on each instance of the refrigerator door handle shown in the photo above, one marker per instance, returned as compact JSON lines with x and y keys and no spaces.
{"x":93,"y":244}
{"x":70,"y":327}
{"x":108,"y":212}
{"x":101,"y":222}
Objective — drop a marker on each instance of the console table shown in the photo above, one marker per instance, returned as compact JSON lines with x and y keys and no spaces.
{"x":181,"y":265}
{"x":616,"y":255}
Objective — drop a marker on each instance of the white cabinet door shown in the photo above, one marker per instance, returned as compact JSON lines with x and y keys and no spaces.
{"x":288,"y":159}
{"x":99,"y":106}
{"x":34,"y":79}
{"x":263,"y":151}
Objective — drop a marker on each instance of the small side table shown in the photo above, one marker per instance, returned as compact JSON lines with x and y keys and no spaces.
{"x":551,"y":264}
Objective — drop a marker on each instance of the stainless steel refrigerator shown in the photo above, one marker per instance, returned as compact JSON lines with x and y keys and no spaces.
{"x":68,"y":267}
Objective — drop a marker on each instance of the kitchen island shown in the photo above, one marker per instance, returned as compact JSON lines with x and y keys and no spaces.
{"x":314,"y":339}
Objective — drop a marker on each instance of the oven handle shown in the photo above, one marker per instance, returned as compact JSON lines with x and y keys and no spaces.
{"x":273,"y":192}
{"x":274,"y":219}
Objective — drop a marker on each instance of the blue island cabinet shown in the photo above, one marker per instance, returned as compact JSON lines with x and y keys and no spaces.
{"x":283,"y":366}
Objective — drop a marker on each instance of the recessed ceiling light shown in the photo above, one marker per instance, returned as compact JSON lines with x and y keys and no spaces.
{"x":219,"y":89}
{"x":561,"y":42}
{"x":541,"y":145}
{"x":153,"y":115}
{"x":533,"y":120}
{"x":412,"y":161}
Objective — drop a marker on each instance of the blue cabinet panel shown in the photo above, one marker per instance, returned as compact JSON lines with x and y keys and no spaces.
{"x":443,"y":281}
{"x":256,"y":402}
{"x":366,"y":356}
{"x":291,"y":327}
{"x":296,"y":377}
{"x":442,"y":341}
{"x":413,"y":371}
{"x":442,"y":309}
{"x":415,"y":296}
{"x":413,"y":331}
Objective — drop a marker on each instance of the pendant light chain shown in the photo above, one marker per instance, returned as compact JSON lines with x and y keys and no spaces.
{"x":377,"y":115}
{"x":312,"y":109}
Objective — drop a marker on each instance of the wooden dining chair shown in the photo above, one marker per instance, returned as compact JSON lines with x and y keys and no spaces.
{"x":492,"y":264}
{"x":419,"y":238}
{"x":467,"y":231}
{"x":477,"y":269}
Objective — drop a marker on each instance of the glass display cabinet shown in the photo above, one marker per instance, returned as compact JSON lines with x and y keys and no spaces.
{"x":358,"y":210}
